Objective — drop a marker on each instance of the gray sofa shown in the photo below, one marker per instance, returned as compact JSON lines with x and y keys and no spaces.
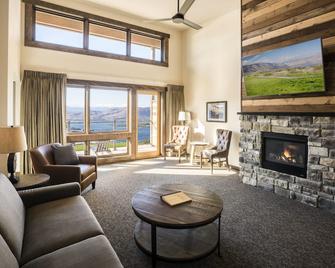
{"x":50,"y":227}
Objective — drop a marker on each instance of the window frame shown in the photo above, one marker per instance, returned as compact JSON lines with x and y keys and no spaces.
{"x":31,"y":6}
{"x":102,"y":24}
{"x":87,"y":108}
{"x":131,"y":134}
{"x":145,"y":35}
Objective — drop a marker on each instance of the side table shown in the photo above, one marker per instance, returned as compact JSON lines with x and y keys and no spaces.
{"x":30,"y":181}
{"x":194,"y":145}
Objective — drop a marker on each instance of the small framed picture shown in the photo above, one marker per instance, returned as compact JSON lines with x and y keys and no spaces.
{"x":216,"y":111}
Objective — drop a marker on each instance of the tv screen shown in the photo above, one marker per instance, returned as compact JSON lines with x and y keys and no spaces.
{"x":288,"y":70}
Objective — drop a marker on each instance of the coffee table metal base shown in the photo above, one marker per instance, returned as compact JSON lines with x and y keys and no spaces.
{"x":177,"y":245}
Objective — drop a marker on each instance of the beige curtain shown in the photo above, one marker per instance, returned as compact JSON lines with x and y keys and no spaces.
{"x":42,"y":110}
{"x":174,"y":104}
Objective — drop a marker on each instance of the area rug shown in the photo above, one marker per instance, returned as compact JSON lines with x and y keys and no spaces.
{"x":259,"y":228}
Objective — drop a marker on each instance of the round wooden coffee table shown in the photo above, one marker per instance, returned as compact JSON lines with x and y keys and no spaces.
{"x":182,"y":233}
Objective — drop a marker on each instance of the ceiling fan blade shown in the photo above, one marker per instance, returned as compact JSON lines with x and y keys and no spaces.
{"x":192,"y":24}
{"x":166,"y":19}
{"x":186,"y":6}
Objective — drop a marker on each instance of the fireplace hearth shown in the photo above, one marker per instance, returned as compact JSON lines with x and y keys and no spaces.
{"x":285,"y":153}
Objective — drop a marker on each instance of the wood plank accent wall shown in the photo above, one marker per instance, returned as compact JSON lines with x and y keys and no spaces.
{"x":270,"y":24}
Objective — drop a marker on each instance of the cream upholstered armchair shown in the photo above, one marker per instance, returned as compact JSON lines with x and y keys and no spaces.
{"x":220,"y":151}
{"x":179,"y":141}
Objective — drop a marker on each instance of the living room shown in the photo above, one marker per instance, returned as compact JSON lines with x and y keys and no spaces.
{"x":167,"y":133}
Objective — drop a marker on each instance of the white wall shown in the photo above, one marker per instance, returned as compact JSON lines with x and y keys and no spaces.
{"x":9,"y":65}
{"x":97,"y":68}
{"x":207,"y":62}
{"x":211,"y":72}
{"x":4,"y":62}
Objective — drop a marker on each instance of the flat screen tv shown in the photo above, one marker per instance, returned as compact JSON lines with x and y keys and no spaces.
{"x":293,"y":69}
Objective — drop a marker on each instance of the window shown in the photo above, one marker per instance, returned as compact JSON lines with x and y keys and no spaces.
{"x":109,"y":147}
{"x":107,"y":39}
{"x":147,"y":121}
{"x":58,"y":30}
{"x":108,"y":110}
{"x":117,"y":120}
{"x":145,"y":47}
{"x":75,"y":109}
{"x":64,"y":29}
{"x":79,"y":147}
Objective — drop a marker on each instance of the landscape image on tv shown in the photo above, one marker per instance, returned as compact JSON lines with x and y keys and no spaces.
{"x":289,"y":70}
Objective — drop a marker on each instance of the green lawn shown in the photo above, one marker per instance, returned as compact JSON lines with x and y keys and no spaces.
{"x":81,"y":147}
{"x":260,"y":84}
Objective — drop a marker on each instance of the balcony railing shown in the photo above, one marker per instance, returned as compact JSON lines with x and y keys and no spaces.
{"x":118,"y":124}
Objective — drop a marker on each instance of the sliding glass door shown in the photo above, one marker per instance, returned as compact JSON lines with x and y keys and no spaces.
{"x":148,"y":123}
{"x":113,"y":122}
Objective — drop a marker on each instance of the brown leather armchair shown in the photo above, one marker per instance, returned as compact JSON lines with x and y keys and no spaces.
{"x":85,"y":173}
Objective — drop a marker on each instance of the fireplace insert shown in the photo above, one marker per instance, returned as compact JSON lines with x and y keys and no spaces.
{"x":285,"y":153}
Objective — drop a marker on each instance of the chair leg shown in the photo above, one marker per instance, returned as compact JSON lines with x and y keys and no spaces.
{"x":201,"y":160}
{"x":93,"y":185}
{"x":179,"y":154}
{"x":164,"y":153}
{"x":212,"y":163}
{"x":227,"y":163}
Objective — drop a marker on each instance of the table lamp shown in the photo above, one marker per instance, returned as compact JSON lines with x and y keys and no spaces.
{"x":184,"y":116}
{"x":12,"y":140}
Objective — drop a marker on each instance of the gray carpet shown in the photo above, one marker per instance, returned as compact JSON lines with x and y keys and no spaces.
{"x":259,"y":229}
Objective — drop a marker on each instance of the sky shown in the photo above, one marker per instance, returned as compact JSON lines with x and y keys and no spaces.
{"x":105,"y":98}
{"x":281,"y":55}
{"x":75,"y":97}
{"x":65,"y":37}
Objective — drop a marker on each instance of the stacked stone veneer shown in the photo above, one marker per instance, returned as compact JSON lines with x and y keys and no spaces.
{"x":318,"y":188}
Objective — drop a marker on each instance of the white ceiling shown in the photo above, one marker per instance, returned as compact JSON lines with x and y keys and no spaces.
{"x":200,"y":12}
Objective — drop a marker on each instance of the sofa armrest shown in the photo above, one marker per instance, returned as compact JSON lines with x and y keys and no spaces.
{"x":62,"y":173}
{"x":88,"y":159}
{"x":41,"y":195}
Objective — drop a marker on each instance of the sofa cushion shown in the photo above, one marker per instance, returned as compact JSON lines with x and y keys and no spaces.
{"x":12,"y":216}
{"x":7,"y":259}
{"x":53,"y":225}
{"x":86,"y":170}
{"x":92,"y":252}
{"x":65,"y":154}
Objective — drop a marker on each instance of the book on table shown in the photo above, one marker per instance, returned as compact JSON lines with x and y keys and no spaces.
{"x":176,"y":198}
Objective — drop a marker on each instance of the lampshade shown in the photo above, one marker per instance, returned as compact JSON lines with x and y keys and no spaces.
{"x":188,"y":116}
{"x":12,"y":140}
{"x":181,"y":116}
{"x":184,"y":116}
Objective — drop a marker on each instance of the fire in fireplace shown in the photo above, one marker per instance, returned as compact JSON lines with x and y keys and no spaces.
{"x":285,"y":153}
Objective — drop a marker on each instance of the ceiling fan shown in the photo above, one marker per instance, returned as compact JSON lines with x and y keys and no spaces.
{"x":180,"y":16}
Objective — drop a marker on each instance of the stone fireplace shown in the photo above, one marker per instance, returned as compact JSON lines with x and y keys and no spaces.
{"x":292,"y":156}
